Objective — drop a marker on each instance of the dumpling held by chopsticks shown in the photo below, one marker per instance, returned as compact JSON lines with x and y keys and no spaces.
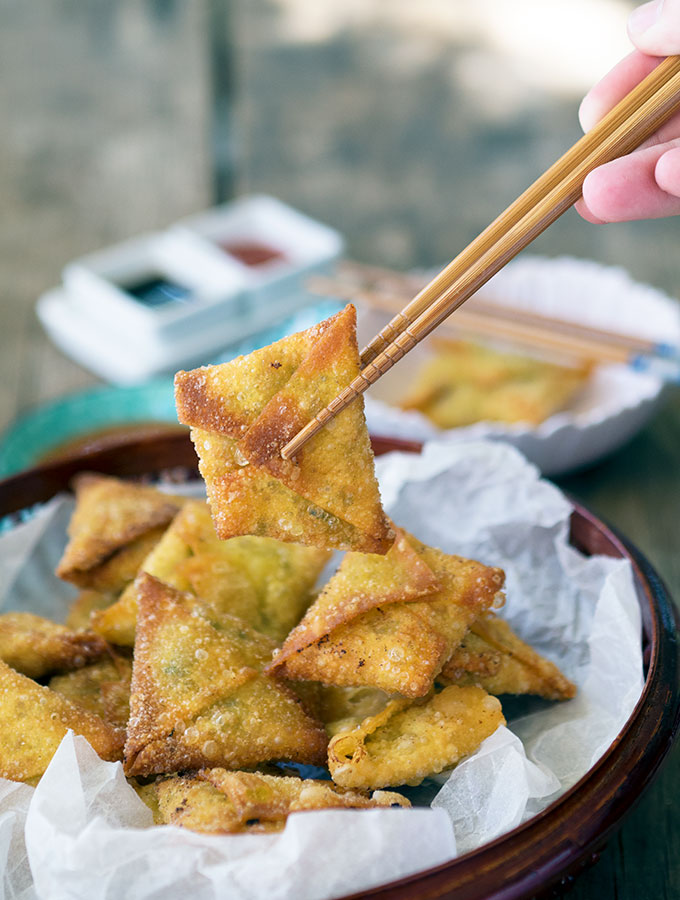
{"x":244,"y":411}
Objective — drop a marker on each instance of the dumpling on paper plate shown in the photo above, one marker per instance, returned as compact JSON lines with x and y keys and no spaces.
{"x":199,"y":697}
{"x":243,"y":412}
{"x":389,"y":622}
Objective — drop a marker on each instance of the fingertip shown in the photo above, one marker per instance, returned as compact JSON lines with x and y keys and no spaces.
{"x":667,"y":172}
{"x":588,"y":113}
{"x":586,"y":207}
{"x":654,"y":28}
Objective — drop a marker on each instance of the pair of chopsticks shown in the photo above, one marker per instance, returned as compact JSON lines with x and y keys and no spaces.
{"x":383,"y":289}
{"x":625,"y":127}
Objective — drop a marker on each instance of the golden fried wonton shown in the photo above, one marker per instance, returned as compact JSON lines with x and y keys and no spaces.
{"x":36,"y":646}
{"x":265,"y":582}
{"x":492,"y":656}
{"x":34,"y":719}
{"x":465,"y":382}
{"x":199,"y":697}
{"x":102,"y":688}
{"x":408,"y":741}
{"x":220,"y":802}
{"x":244,"y":411}
{"x":397,"y":646}
{"x":113,"y":527}
{"x":363,"y":581}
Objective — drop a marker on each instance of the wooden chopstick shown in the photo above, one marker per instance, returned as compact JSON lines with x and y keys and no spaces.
{"x":628,"y":125}
{"x":481,"y":326}
{"x":579,"y":153}
{"x":519,"y":326}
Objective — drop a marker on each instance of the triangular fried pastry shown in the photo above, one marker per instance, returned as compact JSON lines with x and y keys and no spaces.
{"x":109,"y":515}
{"x":36,"y":646}
{"x":362,"y":582}
{"x":407,"y":742}
{"x":34,"y":719}
{"x":242,"y":414}
{"x":265,"y":582}
{"x":102,"y":688}
{"x":217,"y":801}
{"x":401,"y":647}
{"x":493,"y":656}
{"x":199,"y":697}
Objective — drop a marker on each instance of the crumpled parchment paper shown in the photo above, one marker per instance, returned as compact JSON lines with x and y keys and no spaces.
{"x":83,"y":833}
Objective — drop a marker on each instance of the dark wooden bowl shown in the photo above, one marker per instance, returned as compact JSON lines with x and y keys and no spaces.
{"x":537,"y":858}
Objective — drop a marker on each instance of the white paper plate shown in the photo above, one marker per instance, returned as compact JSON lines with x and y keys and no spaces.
{"x":617,"y":401}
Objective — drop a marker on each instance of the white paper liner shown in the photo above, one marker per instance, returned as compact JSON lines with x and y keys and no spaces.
{"x":87,"y":835}
{"x":617,"y":400}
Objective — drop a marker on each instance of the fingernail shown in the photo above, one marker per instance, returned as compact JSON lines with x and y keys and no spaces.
{"x":642,"y":18}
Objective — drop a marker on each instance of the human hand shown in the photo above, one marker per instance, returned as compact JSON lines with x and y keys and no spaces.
{"x":644,"y":184}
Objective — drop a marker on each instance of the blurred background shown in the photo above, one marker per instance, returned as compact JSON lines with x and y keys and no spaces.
{"x":406,"y":126}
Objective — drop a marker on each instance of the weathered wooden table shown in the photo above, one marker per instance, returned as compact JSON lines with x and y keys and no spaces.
{"x":372,"y":126}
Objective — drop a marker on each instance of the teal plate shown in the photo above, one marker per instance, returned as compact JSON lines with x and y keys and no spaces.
{"x":55,"y":424}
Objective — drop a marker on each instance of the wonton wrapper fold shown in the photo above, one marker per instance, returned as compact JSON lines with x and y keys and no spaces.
{"x":399,"y":647}
{"x":36,"y":646}
{"x":363,"y":581}
{"x":265,"y":582}
{"x":244,"y":411}
{"x":198,"y":697}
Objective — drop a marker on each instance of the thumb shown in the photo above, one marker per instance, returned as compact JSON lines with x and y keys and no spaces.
{"x":654,"y":28}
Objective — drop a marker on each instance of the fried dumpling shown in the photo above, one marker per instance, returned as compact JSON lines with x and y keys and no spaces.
{"x":493,"y":656}
{"x":113,"y":527}
{"x":263,"y":581}
{"x":408,"y":741}
{"x":102,"y":688}
{"x":34,"y":719}
{"x":397,"y":646}
{"x":199,"y":697}
{"x":464,"y":382}
{"x":36,"y":646}
{"x":362,"y":582}
{"x":217,"y":801}
{"x":244,"y":411}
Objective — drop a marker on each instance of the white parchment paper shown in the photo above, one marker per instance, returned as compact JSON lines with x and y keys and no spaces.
{"x":83,"y":833}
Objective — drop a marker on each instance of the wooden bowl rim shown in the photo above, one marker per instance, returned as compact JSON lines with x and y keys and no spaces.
{"x":554,"y":845}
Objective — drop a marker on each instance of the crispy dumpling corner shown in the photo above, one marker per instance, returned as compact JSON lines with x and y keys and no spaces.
{"x":493,"y":656}
{"x":217,"y":801}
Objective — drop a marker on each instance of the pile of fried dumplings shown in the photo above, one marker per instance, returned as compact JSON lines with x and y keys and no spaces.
{"x":213,"y":668}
